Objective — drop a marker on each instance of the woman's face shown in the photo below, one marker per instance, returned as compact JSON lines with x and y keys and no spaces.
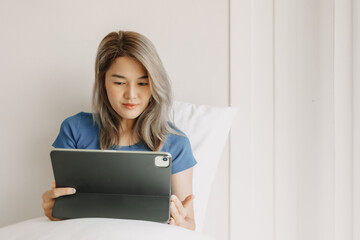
{"x":127,"y":87}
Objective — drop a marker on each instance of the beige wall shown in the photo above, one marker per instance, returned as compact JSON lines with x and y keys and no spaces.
{"x":47,"y":57}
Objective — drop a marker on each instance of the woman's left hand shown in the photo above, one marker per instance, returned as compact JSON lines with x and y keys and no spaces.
{"x":179,"y":210}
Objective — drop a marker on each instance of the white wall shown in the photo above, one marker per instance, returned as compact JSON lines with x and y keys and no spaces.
{"x":47,"y":58}
{"x":294,"y":152}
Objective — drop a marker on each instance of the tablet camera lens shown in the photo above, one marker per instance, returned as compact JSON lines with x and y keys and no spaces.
{"x":162,"y":161}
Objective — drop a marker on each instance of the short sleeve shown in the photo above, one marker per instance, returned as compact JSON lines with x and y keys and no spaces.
{"x":67,"y":137}
{"x":182,"y":156}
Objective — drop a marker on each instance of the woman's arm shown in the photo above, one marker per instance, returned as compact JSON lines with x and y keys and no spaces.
{"x":182,"y":207}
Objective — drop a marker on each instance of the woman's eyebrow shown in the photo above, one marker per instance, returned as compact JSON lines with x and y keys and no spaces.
{"x":118,"y":76}
{"x":121,"y":76}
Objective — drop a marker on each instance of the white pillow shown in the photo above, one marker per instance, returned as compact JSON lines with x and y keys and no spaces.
{"x":207,"y":129}
{"x":96,"y":229}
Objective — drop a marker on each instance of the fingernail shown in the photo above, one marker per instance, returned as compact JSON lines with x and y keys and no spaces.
{"x":73,"y":190}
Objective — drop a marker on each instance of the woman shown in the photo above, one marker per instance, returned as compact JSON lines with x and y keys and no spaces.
{"x":131,"y":104}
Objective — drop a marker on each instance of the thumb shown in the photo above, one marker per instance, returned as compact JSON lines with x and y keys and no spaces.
{"x":188,"y":200}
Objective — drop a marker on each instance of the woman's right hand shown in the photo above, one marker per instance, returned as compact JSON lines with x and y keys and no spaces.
{"x":49,"y":199}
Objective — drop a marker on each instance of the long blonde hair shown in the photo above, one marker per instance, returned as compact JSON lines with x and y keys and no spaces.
{"x":152,"y":125}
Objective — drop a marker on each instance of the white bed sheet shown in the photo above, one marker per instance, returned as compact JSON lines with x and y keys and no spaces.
{"x":96,"y":228}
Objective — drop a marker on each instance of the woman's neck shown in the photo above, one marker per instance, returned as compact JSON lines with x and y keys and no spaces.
{"x":126,"y":134}
{"x":126,"y":126}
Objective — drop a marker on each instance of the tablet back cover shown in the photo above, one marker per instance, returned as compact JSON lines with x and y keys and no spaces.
{"x":112,"y":184}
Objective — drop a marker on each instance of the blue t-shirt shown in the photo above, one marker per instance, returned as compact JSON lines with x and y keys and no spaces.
{"x":81,"y":132}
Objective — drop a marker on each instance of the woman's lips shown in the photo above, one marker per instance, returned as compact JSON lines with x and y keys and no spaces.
{"x":129,"y":106}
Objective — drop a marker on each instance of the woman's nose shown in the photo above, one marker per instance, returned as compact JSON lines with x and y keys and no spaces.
{"x":130,"y":92}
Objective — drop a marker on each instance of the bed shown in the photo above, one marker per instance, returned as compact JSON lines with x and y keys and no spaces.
{"x":207,"y":128}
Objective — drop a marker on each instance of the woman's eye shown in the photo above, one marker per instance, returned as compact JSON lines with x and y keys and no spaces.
{"x":143,"y":84}
{"x":119,"y":83}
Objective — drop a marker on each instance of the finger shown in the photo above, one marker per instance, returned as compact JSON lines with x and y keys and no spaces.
{"x":47,"y":196}
{"x":188,"y":200}
{"x":175,"y":214}
{"x":58,"y":192}
{"x":182,"y":211}
{"x":48,"y":204}
{"x":172,"y":221}
{"x":48,"y":214}
{"x":53,"y":185}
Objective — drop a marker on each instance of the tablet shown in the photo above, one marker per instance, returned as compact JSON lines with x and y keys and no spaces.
{"x":113,"y":184}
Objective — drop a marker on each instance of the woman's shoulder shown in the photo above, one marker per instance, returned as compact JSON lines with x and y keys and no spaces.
{"x":81,"y":121}
{"x":79,"y":117}
{"x":175,"y":133}
{"x":78,"y":131}
{"x":178,"y":145}
{"x":176,"y":139}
